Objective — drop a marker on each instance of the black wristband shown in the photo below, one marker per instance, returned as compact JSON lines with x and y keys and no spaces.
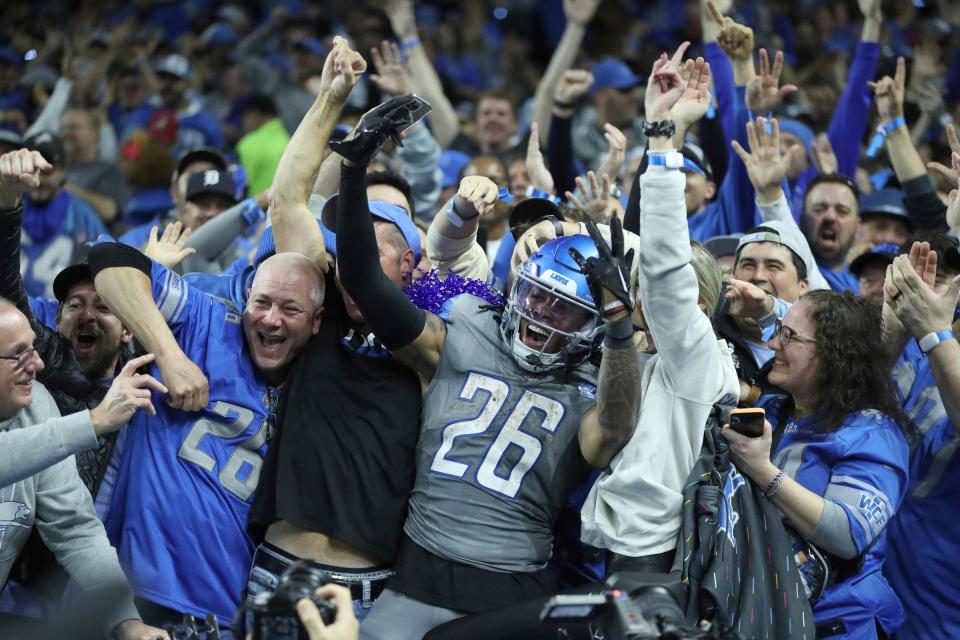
{"x":18,"y":208}
{"x":557,"y":225}
{"x":618,"y":334}
{"x":660,"y":129}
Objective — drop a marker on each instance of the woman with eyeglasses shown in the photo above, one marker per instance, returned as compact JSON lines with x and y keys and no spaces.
{"x":833,"y":457}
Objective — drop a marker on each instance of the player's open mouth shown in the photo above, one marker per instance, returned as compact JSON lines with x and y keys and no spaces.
{"x":534,"y":336}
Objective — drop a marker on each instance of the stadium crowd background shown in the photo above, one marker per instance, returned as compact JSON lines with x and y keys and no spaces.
{"x":172,"y":127}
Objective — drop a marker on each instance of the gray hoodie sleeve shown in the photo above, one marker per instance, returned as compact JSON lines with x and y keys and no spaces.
{"x":420,"y":153}
{"x":70,"y":528}
{"x":28,"y":451}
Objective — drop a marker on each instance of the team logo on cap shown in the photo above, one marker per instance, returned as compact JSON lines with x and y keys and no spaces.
{"x":211,"y":177}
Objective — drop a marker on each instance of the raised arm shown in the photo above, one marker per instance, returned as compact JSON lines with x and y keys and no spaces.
{"x":452,"y":238}
{"x":608,"y":427}
{"x":443,"y":118}
{"x":907,"y":163}
{"x":294,"y":227}
{"x":413,"y":336}
{"x":578,"y":13}
{"x":124,"y":279}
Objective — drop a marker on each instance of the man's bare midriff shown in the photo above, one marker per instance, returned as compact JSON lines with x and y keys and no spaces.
{"x":318,"y":547}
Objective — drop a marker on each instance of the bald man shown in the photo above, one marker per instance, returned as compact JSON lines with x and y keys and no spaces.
{"x":187,"y":475}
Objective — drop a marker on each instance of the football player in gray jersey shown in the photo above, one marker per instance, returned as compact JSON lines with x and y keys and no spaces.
{"x":514,"y":414}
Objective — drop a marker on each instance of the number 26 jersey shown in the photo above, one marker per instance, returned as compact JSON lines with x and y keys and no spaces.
{"x":498,"y":449}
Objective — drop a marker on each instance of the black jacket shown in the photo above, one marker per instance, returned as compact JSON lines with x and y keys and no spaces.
{"x":63,"y":377}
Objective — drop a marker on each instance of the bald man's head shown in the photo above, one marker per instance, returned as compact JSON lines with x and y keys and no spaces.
{"x":20,"y":363}
{"x":283,"y":311}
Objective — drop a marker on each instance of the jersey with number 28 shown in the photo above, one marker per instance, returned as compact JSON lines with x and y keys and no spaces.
{"x":179,"y":512}
{"x":498,"y":450}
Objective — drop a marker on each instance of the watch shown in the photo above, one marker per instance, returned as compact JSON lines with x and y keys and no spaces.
{"x":667,"y":159}
{"x":929,"y":342}
{"x":660,"y":129}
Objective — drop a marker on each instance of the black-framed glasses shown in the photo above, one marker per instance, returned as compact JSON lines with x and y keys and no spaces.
{"x":21,"y":359}
{"x":788,"y":335}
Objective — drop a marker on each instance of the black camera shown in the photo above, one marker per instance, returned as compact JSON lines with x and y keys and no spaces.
{"x":273,"y":616}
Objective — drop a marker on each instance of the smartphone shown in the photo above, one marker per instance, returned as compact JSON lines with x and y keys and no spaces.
{"x":748,"y":422}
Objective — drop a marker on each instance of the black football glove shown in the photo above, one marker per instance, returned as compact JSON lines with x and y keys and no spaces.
{"x":610,"y":271}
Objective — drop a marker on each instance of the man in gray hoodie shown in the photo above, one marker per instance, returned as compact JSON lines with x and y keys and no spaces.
{"x":39,"y":483}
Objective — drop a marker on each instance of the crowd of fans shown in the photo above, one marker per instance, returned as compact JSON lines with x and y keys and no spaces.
{"x":455,"y":301}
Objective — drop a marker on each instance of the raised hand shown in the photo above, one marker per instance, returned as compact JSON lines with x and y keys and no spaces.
{"x":764,"y":92}
{"x":824,"y":159}
{"x":595,"y":201}
{"x":19,"y":172}
{"x":573,"y":85}
{"x":953,"y":202}
{"x":888,"y":92}
{"x":580,"y":12}
{"x":391,"y":76}
{"x":618,"y":151}
{"x":766,"y":166}
{"x":665,"y":85}
{"x":695,"y":99}
{"x":476,"y":195}
{"x":921,"y":309}
{"x":951,"y":173}
{"x":735,"y":39}
{"x":128,"y":392}
{"x":169,"y":249}
{"x":609,"y":274}
{"x":871,"y":9}
{"x":341,"y":70}
{"x":536,"y":167}
{"x":402,"y":19}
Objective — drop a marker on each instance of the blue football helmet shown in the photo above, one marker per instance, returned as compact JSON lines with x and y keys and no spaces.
{"x":550,"y":320}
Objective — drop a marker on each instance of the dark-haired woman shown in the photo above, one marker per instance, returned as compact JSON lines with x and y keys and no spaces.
{"x":839,"y":468}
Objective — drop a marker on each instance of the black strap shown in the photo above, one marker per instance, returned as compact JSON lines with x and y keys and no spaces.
{"x":830,"y":628}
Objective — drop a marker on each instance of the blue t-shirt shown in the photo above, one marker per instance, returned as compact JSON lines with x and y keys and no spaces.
{"x":863,"y":468}
{"x":179,"y":510}
{"x":924,"y":549}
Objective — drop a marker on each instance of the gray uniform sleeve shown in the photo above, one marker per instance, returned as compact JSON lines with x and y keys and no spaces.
{"x":833,"y":533}
{"x":26,"y":452}
{"x":70,"y":528}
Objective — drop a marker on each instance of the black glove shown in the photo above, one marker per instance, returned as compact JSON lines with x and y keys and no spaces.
{"x":610,"y":271}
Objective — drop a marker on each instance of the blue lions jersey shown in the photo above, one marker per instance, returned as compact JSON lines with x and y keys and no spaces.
{"x":924,"y":548}
{"x":862,"y":467}
{"x":42,"y":258}
{"x":179,"y":512}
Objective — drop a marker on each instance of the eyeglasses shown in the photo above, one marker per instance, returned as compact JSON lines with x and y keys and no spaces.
{"x":21,"y":359}
{"x":787,"y":335}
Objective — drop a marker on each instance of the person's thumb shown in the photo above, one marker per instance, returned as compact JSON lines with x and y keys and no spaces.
{"x":953,"y":291}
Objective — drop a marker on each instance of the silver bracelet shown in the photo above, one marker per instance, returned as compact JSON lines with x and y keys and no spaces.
{"x":774,"y":485}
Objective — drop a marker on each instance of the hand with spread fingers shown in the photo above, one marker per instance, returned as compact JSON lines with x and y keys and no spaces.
{"x":391,"y":76}
{"x":921,"y":309}
{"x":594,"y":201}
{"x":128,"y":392}
{"x":678,"y":91}
{"x":764,"y":92}
{"x":766,"y":165}
{"x":169,"y":249}
{"x":951,"y":173}
{"x":609,"y":274}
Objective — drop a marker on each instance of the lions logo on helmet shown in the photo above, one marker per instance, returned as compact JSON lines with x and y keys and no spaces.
{"x":550,"y":320}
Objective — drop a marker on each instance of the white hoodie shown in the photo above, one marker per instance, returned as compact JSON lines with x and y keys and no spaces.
{"x":634,"y":508}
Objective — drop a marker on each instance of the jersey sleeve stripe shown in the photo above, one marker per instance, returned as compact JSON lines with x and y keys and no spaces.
{"x":173,"y":297}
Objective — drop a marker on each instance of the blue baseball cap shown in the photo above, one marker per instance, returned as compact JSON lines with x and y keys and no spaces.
{"x":451,"y":163}
{"x":882,"y":254}
{"x":802,"y":132}
{"x":885,"y":202}
{"x":218,"y":34}
{"x":380,"y":209}
{"x":611,"y":72}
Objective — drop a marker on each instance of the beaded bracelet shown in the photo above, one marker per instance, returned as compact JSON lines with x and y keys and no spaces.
{"x":774,"y":485}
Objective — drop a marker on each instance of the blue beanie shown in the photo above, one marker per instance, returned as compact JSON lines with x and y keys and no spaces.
{"x":802,"y":131}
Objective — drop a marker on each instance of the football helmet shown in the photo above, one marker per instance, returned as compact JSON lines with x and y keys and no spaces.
{"x":550,"y":320}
